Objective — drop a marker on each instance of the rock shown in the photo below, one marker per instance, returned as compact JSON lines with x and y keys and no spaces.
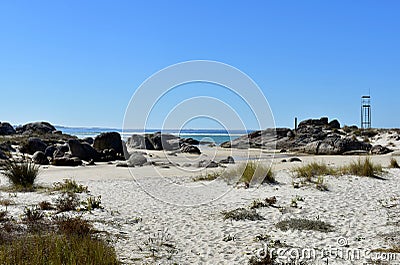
{"x":207,"y":164}
{"x":125,"y":150}
{"x":190,"y":141}
{"x":136,"y":159}
{"x":33,"y":145}
{"x":36,"y":127}
{"x":167,"y":142}
{"x":88,"y":140}
{"x":335,"y":124}
{"x":40,"y":158}
{"x":61,"y":150}
{"x":109,"y":140}
{"x":191,"y":149}
{"x":140,"y":142}
{"x":356,"y":152}
{"x":380,"y":150}
{"x":3,"y":156}
{"x":6,"y":129}
{"x":283,"y":161}
{"x":259,"y":139}
{"x":6,"y":147}
{"x":83,"y":151}
{"x":186,"y":165}
{"x":294,"y":159}
{"x":314,"y":122}
{"x":67,"y":162}
{"x":49,"y":152}
{"x":91,"y":163}
{"x":335,"y":145}
{"x":228,"y":160}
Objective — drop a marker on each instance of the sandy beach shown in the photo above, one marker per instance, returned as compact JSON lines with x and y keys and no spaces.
{"x":156,"y":215}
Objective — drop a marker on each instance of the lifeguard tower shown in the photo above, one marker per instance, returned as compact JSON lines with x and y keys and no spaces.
{"x":366,"y":112}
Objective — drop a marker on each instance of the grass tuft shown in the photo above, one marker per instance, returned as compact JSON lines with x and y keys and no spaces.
{"x":364,"y":168}
{"x":250,"y":172}
{"x":69,"y":186}
{"x":393,"y":163}
{"x":242,"y":214}
{"x":21,"y":175}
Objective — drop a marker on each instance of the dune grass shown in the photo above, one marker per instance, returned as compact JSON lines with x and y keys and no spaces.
{"x":21,"y":175}
{"x":56,"y":249}
{"x":363,"y":168}
{"x":69,"y":186}
{"x":304,"y":224}
{"x":393,"y":163}
{"x":314,"y":169}
{"x":250,"y":172}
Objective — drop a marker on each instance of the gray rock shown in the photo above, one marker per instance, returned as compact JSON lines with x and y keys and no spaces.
{"x":49,"y":152}
{"x":314,"y":122}
{"x":36,"y":127}
{"x":88,"y":140}
{"x":6,"y":129}
{"x":67,"y":162}
{"x":228,"y":160}
{"x":207,"y":164}
{"x":40,"y":158}
{"x":380,"y":150}
{"x":190,"y":141}
{"x":191,"y":149}
{"x":109,"y":140}
{"x":136,"y":159}
{"x":83,"y":151}
{"x":33,"y":145}
{"x":294,"y":159}
{"x":335,"y":124}
{"x":6,"y":147}
{"x":140,"y":142}
{"x":3,"y":156}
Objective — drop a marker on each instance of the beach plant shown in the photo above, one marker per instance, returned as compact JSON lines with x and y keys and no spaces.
{"x":267,"y":202}
{"x":310,"y":171}
{"x":248,"y":172}
{"x":365,"y":168}
{"x":21,"y":175}
{"x":67,"y":201}
{"x":208,"y":176}
{"x":393,"y":163}
{"x":242,"y":214}
{"x":92,"y":203}
{"x":45,"y":206}
{"x":75,"y":226}
{"x":160,"y":245}
{"x":32,"y":214}
{"x":70,"y":186}
{"x":52,"y":248}
{"x":304,"y":224}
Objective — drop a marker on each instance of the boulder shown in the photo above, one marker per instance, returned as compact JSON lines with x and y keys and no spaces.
{"x":136,"y":159}
{"x":294,"y":159}
{"x":33,"y":145}
{"x":380,"y":150}
{"x":190,"y":141}
{"x":36,"y":127}
{"x":137,"y":141}
{"x":6,"y":129}
{"x":88,"y":140}
{"x":67,"y":161}
{"x":191,"y":149}
{"x":164,"y":141}
{"x":6,"y":147}
{"x":3,"y":156}
{"x":335,"y":145}
{"x":314,"y":122}
{"x":335,"y":124}
{"x":40,"y":158}
{"x":228,"y":160}
{"x":207,"y":164}
{"x":83,"y":151}
{"x":108,"y":140}
{"x":49,"y":152}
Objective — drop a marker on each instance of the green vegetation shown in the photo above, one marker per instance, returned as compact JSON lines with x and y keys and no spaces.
{"x":363,"y":168}
{"x":56,"y":249}
{"x":69,"y":186}
{"x":312,"y":170}
{"x":208,"y":177}
{"x":250,"y":171}
{"x":242,"y":214}
{"x":21,"y":175}
{"x":304,"y":224}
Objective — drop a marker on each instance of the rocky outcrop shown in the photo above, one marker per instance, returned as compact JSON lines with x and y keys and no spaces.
{"x":83,"y":151}
{"x":36,"y":127}
{"x":6,"y":129}
{"x":207,"y":164}
{"x":380,"y":150}
{"x":88,"y":140}
{"x":228,"y":160}
{"x":66,"y":162}
{"x":33,"y":145}
{"x":313,"y":136}
{"x":161,"y":141}
{"x":40,"y":158}
{"x":109,"y":140}
{"x":191,"y":149}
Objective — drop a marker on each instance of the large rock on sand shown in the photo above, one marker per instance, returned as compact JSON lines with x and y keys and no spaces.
{"x":6,"y":129}
{"x":83,"y":151}
{"x":66,"y":162}
{"x":36,"y":127}
{"x":136,"y":159}
{"x":109,"y":140}
{"x":33,"y":145}
{"x":191,"y":149}
{"x":40,"y":158}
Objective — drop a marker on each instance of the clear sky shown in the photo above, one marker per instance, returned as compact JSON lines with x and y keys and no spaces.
{"x":77,"y":63}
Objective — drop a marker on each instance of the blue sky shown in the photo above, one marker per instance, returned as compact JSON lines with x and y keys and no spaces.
{"x":77,"y":63}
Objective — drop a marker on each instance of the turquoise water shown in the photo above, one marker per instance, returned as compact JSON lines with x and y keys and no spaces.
{"x":216,"y":136}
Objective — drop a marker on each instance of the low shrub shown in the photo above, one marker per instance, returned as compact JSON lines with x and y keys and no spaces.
{"x":68,"y":201}
{"x":75,"y":226}
{"x":69,"y":186}
{"x":304,"y":224}
{"x":242,"y":214}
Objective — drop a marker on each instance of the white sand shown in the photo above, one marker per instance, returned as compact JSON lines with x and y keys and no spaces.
{"x":142,"y":203}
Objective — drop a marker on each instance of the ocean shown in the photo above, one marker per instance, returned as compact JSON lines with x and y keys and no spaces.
{"x":216,"y":136}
